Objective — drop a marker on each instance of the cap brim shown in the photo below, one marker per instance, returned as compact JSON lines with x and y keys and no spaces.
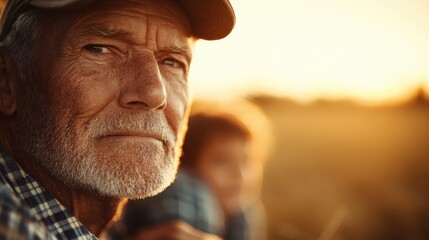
{"x":210,"y":19}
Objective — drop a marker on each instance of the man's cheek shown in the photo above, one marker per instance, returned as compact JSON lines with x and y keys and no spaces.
{"x":177,"y":106}
{"x":86,"y":91}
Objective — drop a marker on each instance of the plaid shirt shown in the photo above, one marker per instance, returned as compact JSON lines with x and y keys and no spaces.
{"x":28,"y":211}
{"x":187,"y":199}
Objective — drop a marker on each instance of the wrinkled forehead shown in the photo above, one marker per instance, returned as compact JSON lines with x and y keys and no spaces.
{"x":168,"y":9}
{"x":134,"y":17}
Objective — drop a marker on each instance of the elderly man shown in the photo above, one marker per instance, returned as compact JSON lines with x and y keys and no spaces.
{"x":93,"y":100}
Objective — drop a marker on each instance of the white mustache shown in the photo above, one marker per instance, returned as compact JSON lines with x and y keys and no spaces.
{"x":152,"y":123}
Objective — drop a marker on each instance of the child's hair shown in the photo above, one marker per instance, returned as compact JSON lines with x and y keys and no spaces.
{"x":201,"y":129}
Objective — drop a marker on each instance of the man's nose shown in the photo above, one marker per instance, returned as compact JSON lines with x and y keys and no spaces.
{"x":143,"y":87}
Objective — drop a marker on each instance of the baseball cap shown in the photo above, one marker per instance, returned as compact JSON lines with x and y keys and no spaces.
{"x":210,"y":19}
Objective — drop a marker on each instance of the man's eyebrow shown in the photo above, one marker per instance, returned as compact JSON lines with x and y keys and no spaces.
{"x":104,"y":31}
{"x":185,"y":51}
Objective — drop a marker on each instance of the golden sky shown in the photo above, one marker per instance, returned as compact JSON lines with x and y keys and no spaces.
{"x":370,"y":50}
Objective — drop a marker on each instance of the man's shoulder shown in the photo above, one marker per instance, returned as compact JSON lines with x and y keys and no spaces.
{"x":16,"y":219}
{"x":10,"y":202}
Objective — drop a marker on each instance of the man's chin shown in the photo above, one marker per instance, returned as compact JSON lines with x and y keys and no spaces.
{"x":122,"y":174}
{"x":134,"y":187}
{"x":137,"y":183}
{"x":153,"y":188}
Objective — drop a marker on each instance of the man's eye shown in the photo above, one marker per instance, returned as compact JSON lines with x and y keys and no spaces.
{"x":98,"y":49}
{"x":172,"y":63}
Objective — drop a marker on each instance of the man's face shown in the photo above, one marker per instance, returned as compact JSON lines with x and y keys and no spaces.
{"x":109,"y":100}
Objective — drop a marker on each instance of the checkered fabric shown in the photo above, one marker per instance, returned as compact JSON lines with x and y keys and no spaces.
{"x":237,"y":228}
{"x":28,"y":211}
{"x":187,"y":199}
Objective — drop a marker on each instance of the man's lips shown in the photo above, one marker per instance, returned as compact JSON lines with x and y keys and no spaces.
{"x":136,"y":135}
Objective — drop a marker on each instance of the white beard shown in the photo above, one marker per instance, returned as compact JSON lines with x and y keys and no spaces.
{"x":50,"y":138}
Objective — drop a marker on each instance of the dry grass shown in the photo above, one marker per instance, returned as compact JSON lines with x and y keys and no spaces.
{"x":357,"y":172}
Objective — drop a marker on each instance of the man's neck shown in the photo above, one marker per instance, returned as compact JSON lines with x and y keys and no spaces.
{"x":95,"y":212}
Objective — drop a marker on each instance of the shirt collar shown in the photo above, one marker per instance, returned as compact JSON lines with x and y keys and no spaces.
{"x":41,"y":203}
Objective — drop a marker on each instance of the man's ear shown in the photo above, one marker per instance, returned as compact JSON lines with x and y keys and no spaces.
{"x":7,"y":83}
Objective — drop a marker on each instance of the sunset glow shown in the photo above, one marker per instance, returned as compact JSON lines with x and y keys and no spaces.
{"x":369,"y":50}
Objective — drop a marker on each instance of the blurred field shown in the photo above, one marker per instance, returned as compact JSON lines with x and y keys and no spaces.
{"x":343,"y":171}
